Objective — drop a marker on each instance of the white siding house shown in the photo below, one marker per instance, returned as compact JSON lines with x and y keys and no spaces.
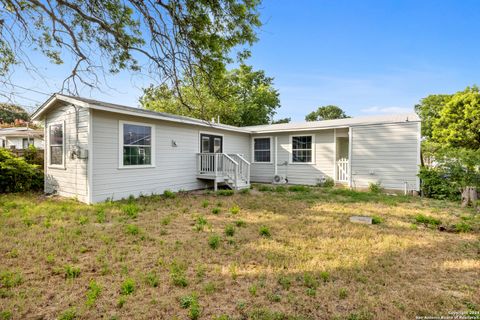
{"x":21,"y":138}
{"x":97,"y":151}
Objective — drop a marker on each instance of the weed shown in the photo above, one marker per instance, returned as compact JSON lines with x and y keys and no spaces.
{"x":342,"y":294}
{"x":216,"y":210}
{"x":132,"y":229}
{"x":245,"y":191}
{"x":152,"y":279}
{"x":229,"y":230}
{"x":265,"y":188}
{"x":191,"y":302}
{"x":178,"y":274}
{"x":280,"y":189}
{"x":376,"y":220}
{"x":253,"y":289}
{"x":274,"y":297}
{"x":101,"y":217}
{"x":131,"y":210}
{"x":69,"y":314}
{"x":375,"y":188}
{"x":127,"y":287}
{"x":462,"y":227}
{"x":325,"y":276}
{"x":82,"y":220}
{"x":264,"y":231}
{"x":214,"y":241}
{"x":299,"y":188}
{"x":309,"y":281}
{"x":205,"y":203}
{"x":166,"y":220}
{"x":50,"y":259}
{"x":121,"y":302}
{"x":235,"y":210}
{"x":168,"y":194}
{"x":10,"y":279}
{"x":6,"y":315}
{"x":328,"y":183}
{"x":210,"y":287}
{"x":240,"y":223}
{"x":225,"y":193}
{"x":312,"y":292}
{"x":93,"y":292}
{"x":200,"y":223}
{"x":285,"y":281}
{"x":426,"y":220}
{"x":71,"y":272}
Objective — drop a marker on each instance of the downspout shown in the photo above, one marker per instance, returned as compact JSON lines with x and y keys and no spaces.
{"x":350,"y":140}
{"x":275,"y":158}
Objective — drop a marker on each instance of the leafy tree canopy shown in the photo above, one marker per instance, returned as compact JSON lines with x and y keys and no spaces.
{"x":171,"y":39}
{"x":329,"y":112}
{"x":10,"y":112}
{"x":458,"y":122}
{"x":429,"y":110}
{"x":244,"y":97}
{"x":283,"y":120}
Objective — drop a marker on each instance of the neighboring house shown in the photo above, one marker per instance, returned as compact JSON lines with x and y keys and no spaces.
{"x":21,"y":138}
{"x":98,"y":151}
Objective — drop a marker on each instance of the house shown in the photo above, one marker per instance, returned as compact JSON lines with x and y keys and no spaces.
{"x":97,"y":151}
{"x":21,"y":138}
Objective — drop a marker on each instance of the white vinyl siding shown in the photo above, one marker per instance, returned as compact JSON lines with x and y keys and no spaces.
{"x":387,"y":154}
{"x":176,"y":146}
{"x":70,"y":179}
{"x":298,"y":173}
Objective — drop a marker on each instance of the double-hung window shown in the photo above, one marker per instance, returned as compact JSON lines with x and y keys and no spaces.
{"x":261,"y":149}
{"x":302,"y":149}
{"x":136,"y":141}
{"x":56,"y":141}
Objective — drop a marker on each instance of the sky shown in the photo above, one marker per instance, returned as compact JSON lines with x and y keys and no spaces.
{"x":368,"y":57}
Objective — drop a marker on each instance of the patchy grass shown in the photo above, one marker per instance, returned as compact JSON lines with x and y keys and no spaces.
{"x":281,"y":252}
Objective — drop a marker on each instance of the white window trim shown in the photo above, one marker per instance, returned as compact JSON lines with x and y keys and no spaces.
{"x":291,"y":149}
{"x":56,"y":166}
{"x":253,"y":150}
{"x":120,"y":145}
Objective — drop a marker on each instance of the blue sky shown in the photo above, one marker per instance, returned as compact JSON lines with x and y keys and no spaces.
{"x":369,"y":57}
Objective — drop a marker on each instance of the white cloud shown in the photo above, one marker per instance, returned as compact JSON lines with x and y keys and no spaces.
{"x":386,"y":110}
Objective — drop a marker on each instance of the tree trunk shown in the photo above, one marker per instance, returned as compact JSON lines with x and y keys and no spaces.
{"x":469,"y":195}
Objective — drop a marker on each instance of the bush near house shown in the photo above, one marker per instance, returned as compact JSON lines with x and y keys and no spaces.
{"x":17,"y":175}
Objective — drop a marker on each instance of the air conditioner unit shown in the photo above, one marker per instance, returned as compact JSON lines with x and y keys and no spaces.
{"x":279,"y":180}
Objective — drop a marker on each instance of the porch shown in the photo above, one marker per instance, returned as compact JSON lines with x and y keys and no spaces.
{"x":342,"y":165}
{"x":232,"y":170}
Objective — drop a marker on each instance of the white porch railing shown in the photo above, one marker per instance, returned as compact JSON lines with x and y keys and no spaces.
{"x":342,"y":170}
{"x":230,"y":168}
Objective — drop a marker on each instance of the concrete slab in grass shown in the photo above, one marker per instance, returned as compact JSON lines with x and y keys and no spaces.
{"x":361,"y":219}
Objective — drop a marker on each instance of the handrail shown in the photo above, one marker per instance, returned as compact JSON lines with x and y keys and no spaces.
{"x":233,"y":166}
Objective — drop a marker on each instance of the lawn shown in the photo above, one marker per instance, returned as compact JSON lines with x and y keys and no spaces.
{"x":271,"y":253}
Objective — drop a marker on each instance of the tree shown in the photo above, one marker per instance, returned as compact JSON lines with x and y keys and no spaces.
{"x":282,"y":120}
{"x":10,"y":112}
{"x":326,"y":113}
{"x":458,"y":122}
{"x":429,"y":109}
{"x":243,"y":97}
{"x":172,"y":39}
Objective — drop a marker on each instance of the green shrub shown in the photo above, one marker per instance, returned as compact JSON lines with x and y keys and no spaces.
{"x":127,"y":287}
{"x":435,"y":184}
{"x":17,"y":175}
{"x":328,"y":183}
{"x":205,"y":203}
{"x":225,"y":193}
{"x":375,"y":187}
{"x":101,"y":217}
{"x":93,"y":292}
{"x":200,"y":223}
{"x":264,"y":231}
{"x":169,"y":194}
{"x":71,"y":272}
{"x":462,"y":227}
{"x":214,"y":241}
{"x":229,"y":230}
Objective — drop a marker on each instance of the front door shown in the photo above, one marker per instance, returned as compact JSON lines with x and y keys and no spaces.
{"x":210,"y":143}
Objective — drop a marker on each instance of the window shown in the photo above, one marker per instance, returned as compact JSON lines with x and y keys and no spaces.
{"x":56,"y":144}
{"x":302,"y":149}
{"x":26,"y":143}
{"x":261,"y":149}
{"x":136,"y":145}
